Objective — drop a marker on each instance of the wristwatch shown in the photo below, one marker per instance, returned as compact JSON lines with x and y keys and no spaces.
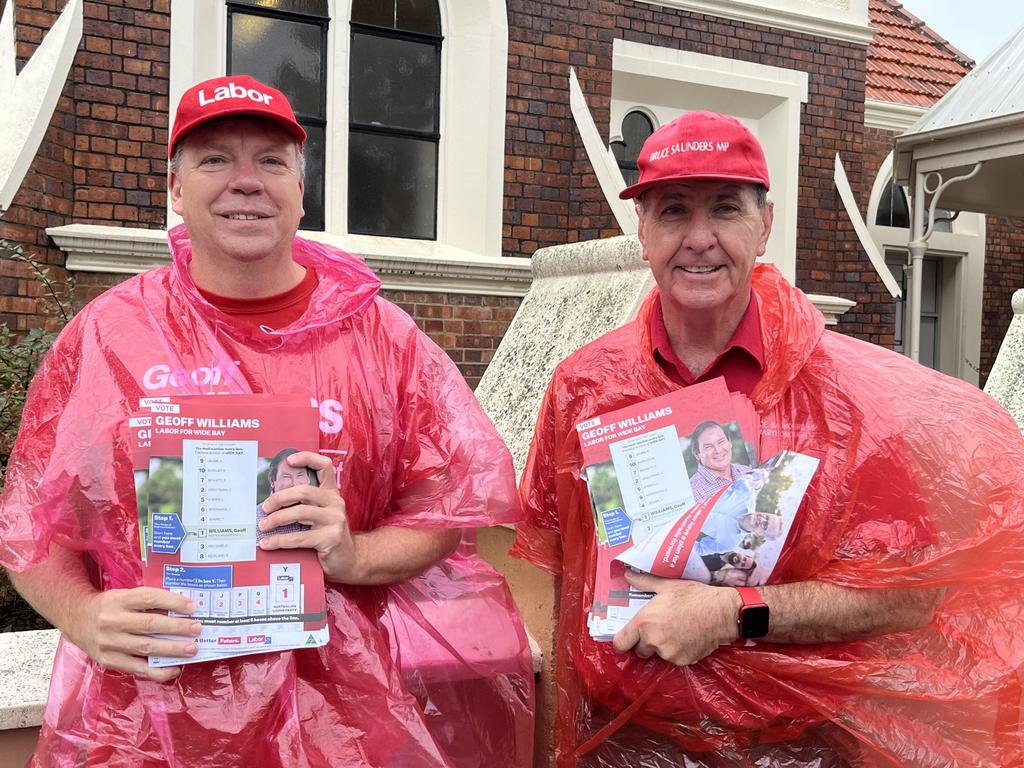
{"x":753,"y":618}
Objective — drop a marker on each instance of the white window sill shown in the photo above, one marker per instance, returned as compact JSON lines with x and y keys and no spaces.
{"x":409,"y":265}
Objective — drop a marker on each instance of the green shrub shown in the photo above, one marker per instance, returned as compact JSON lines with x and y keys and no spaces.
{"x":20,"y":356}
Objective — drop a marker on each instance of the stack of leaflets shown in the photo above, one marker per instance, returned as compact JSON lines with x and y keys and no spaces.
{"x":201,"y":472}
{"x":656,"y":509}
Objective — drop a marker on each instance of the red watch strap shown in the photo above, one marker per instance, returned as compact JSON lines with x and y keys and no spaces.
{"x":750,"y":596}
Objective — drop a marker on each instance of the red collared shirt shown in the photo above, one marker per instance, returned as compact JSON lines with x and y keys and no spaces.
{"x":741,"y":362}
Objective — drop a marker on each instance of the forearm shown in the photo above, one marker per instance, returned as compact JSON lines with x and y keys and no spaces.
{"x":58,"y":589}
{"x":818,"y":612}
{"x":391,"y":554}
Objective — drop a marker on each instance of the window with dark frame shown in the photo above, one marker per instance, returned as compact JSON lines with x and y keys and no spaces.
{"x":636,"y":127}
{"x":394,"y":118}
{"x":284,"y":43}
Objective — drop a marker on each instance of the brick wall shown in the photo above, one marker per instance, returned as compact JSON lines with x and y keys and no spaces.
{"x":120,"y":92}
{"x":467,"y":327}
{"x":1004,"y":274}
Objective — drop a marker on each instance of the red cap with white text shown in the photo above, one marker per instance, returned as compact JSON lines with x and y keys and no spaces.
{"x":232,"y":95}
{"x":700,"y":146}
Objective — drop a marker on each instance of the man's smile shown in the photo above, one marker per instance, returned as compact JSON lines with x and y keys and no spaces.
{"x":701,"y":270}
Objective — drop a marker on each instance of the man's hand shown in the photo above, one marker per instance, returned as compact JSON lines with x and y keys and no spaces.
{"x":116,"y":629}
{"x":323,"y":510}
{"x":385,"y":555}
{"x":684,"y":621}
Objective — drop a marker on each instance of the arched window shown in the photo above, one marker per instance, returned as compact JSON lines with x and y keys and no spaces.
{"x":284,"y":43}
{"x":894,"y":210}
{"x":636,"y":127}
{"x":394,"y":117}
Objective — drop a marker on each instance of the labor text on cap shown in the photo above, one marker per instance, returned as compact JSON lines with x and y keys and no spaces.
{"x":232,"y":91}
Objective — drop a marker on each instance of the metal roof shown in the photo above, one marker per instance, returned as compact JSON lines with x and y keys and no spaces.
{"x":980,"y":120}
{"x":993,"y":89}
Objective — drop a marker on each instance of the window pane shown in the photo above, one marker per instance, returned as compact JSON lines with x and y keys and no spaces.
{"x":284,"y":54}
{"x":313,"y":200}
{"x":636,"y":127}
{"x":419,"y":16}
{"x":392,"y":186}
{"x":305,"y":7}
{"x":895,"y":262}
{"x":929,"y":350}
{"x":892,"y":208}
{"x":930,"y":285}
{"x":943,"y":226}
{"x":394,"y":83}
{"x":410,"y":15}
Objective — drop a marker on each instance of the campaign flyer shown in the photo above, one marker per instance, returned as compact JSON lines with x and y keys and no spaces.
{"x":203,"y":465}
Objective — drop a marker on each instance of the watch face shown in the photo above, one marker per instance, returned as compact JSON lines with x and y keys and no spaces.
{"x":754,"y":621}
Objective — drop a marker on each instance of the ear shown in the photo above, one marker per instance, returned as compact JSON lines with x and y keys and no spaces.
{"x":174,"y":190}
{"x":641,"y":231}
{"x":767,"y":217}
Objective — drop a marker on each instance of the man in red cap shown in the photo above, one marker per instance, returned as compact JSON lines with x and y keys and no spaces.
{"x":406,"y":460}
{"x":829,"y":665}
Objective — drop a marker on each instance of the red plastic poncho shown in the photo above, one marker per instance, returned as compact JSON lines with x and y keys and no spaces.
{"x":413,"y":448}
{"x":921,"y":484}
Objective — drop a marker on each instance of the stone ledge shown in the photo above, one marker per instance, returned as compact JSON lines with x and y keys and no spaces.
{"x":26,"y":660}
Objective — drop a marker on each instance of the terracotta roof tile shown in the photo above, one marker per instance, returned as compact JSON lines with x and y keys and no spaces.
{"x":908,"y":62}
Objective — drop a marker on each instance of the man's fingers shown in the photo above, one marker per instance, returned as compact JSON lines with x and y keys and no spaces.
{"x":139,"y":667}
{"x":320,"y":464}
{"x":626,"y":638}
{"x":149,"y":598}
{"x":644,"y":581}
{"x":307,"y":514}
{"x":142,"y":646}
{"x":303,"y":540}
{"x":157,"y":624}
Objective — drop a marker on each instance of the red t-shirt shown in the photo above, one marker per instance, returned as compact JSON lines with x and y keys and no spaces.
{"x":273,"y":312}
{"x":741,"y":362}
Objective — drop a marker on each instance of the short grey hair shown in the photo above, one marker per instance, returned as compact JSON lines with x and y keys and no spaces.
{"x":760,"y":197}
{"x":174,"y":164}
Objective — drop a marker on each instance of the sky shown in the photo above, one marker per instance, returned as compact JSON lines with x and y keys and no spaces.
{"x":976,"y":27}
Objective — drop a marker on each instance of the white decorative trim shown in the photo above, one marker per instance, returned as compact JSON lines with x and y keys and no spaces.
{"x":833,"y":20}
{"x":421,"y":266}
{"x":116,"y":250}
{"x":30,"y":96}
{"x":890,"y":116}
{"x":832,"y":307}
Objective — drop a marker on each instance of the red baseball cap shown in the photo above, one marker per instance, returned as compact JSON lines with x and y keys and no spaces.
{"x":232,"y":95}
{"x":697,"y":146}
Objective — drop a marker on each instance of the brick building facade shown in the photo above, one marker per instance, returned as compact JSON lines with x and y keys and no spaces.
{"x":102,"y":160}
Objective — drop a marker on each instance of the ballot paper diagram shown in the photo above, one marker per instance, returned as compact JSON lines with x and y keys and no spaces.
{"x":203,"y":467}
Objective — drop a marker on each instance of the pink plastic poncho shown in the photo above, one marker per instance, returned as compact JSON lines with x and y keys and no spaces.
{"x":413,"y":448}
{"x":921,"y":484}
